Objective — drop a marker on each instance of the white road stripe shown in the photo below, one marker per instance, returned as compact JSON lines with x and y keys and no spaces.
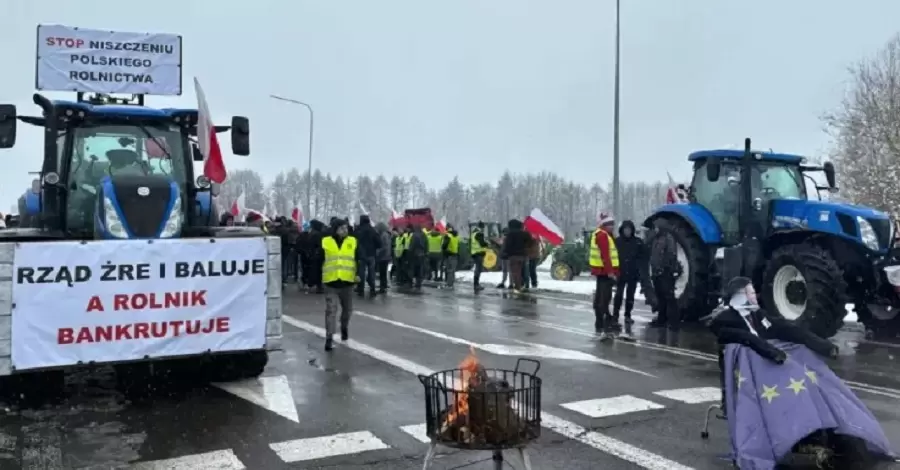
{"x":613,"y":406}
{"x":500,"y":349}
{"x":216,"y":460}
{"x":301,"y":450}
{"x":692,"y":396}
{"x":417,"y":431}
{"x":622,"y":450}
{"x":271,"y":393}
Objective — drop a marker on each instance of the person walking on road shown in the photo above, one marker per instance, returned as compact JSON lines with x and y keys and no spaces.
{"x":383,"y":258}
{"x":514,"y":251}
{"x":416,"y":249}
{"x":631,"y":257}
{"x":369,"y":245}
{"x":450,"y":250}
{"x":477,"y":249}
{"x":435,"y":240}
{"x":339,"y":275}
{"x":603,"y":259}
{"x":665,"y":269}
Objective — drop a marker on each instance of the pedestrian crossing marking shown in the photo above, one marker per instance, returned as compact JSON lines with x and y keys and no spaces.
{"x":417,"y":431}
{"x":216,"y":460}
{"x":613,"y":406}
{"x":692,"y":396}
{"x":312,"y":448}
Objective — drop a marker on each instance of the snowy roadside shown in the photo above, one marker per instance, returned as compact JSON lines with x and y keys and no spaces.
{"x":581,"y":286}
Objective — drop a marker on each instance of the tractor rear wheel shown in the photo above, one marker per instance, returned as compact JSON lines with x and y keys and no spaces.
{"x":804,"y":284}
{"x":692,"y":288}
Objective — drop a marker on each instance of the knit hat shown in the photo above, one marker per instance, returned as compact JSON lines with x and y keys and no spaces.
{"x":605,"y":218}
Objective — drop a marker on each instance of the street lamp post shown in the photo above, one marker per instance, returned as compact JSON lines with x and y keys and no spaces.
{"x":309,"y":170}
{"x":616,"y":196}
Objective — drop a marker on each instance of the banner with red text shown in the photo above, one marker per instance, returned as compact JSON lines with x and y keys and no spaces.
{"x":129,"y":299}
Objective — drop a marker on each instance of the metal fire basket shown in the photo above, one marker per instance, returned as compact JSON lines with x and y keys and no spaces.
{"x":486,"y":409}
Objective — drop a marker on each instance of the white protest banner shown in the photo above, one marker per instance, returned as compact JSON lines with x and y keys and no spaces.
{"x":95,"y":61}
{"x":121,"y":300}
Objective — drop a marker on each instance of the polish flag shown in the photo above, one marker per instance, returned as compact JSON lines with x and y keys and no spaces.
{"x":237,"y":207}
{"x":676,"y":193}
{"x":297,"y":214}
{"x":441,"y":225}
{"x":213,"y":164}
{"x":540,"y":225}
{"x":253,"y":214}
{"x":396,"y":215}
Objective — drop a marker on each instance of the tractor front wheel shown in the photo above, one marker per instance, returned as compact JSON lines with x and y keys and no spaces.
{"x":804,"y":284}
{"x":491,"y":261}
{"x":560,"y":271}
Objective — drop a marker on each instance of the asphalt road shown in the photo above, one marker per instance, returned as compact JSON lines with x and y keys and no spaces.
{"x":613,"y":405}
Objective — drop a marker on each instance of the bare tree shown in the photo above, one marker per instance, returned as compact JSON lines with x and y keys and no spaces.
{"x":865,"y":129}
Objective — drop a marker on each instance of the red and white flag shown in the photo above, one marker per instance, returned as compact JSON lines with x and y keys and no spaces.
{"x":237,"y":207}
{"x":441,"y":225}
{"x":540,"y":225}
{"x":213,"y":163}
{"x":297,"y":214}
{"x":675,"y":194}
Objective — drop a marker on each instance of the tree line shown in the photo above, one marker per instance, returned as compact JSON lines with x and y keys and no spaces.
{"x":572,"y":206}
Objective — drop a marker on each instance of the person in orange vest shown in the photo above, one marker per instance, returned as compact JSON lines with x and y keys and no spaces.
{"x":603,"y":258}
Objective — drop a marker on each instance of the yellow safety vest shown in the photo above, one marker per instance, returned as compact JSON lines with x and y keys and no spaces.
{"x":475,"y":246}
{"x":434,"y":243}
{"x":399,"y":246}
{"x":594,"y":258}
{"x":340,"y":263}
{"x":452,"y":244}
{"x":407,"y":237}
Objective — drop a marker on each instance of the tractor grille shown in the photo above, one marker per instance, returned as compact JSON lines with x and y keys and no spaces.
{"x":882,"y":229}
{"x":143,"y":214}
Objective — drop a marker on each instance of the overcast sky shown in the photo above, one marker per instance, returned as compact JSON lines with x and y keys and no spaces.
{"x":473,"y":87}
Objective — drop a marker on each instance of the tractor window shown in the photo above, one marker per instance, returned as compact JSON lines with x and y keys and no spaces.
{"x":108,"y":150}
{"x":774,"y":181}
{"x":721,"y":198}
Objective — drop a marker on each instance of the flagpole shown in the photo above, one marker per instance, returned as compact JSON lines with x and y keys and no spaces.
{"x":309,"y":170}
{"x":616,"y":199}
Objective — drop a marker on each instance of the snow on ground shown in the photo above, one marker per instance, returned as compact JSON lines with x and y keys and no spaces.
{"x":581,"y":285}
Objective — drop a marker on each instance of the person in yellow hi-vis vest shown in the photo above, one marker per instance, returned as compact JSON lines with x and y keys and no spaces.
{"x":435,"y":240}
{"x":477,"y":249}
{"x":603,"y":258}
{"x":339,"y":276}
{"x":450,"y":250}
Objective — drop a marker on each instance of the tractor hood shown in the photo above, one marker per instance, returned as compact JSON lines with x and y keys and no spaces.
{"x":864,"y":225}
{"x":139,"y":206}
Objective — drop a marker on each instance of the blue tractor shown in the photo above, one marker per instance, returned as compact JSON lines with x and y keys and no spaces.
{"x":115,"y":169}
{"x":807,"y":258}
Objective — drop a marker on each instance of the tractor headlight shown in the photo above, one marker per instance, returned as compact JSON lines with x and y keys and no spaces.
{"x":114,"y":225}
{"x":175,"y":220}
{"x":867,"y":233}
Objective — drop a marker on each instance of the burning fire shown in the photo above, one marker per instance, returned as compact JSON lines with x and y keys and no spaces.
{"x":469,"y":379}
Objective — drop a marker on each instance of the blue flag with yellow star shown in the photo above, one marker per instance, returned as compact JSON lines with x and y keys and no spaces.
{"x":771,"y":407}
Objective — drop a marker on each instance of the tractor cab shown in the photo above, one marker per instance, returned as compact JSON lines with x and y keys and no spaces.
{"x":116,"y":169}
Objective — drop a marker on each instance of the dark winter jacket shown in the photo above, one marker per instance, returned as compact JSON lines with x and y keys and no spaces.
{"x":515,"y":243}
{"x":631,"y":253}
{"x":386,"y":252}
{"x":317,"y":231}
{"x":664,"y":253}
{"x":368,"y":240}
{"x":418,"y":243}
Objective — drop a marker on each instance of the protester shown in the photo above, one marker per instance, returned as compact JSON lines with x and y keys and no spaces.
{"x":435,"y":240}
{"x":477,"y":248}
{"x":226,"y":220}
{"x":604,"y":262}
{"x":383,"y":258}
{"x":632,"y":257}
{"x":450,"y":251}
{"x":317,"y":231}
{"x":533,"y":252}
{"x":398,"y":270}
{"x":514,"y":251}
{"x":665,"y":271}
{"x":416,"y":249}
{"x":339,"y":275}
{"x":369,"y":245}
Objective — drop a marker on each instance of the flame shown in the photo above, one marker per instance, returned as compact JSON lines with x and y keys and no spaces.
{"x":469,"y":379}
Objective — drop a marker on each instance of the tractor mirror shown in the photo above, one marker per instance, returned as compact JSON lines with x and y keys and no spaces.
{"x":36,"y":186}
{"x":713,"y":168}
{"x":830,"y":177}
{"x":7,"y":126}
{"x":198,"y":157}
{"x":240,"y":136}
